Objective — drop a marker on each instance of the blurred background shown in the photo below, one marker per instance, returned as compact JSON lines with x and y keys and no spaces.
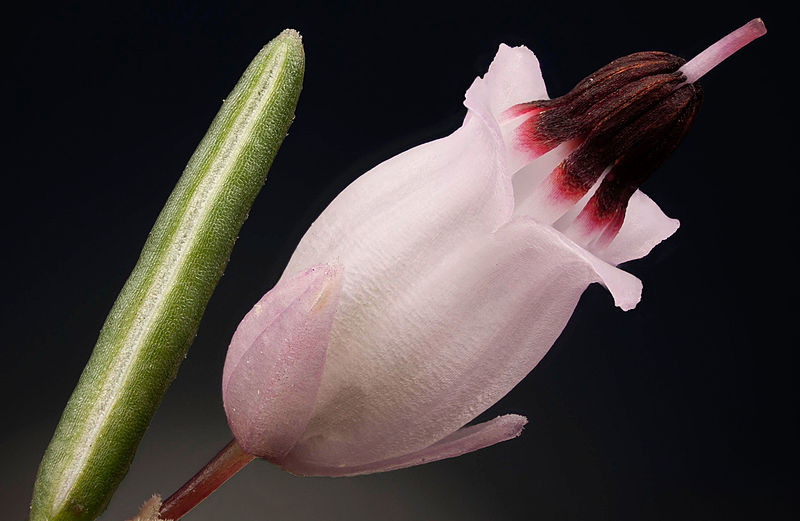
{"x":684,"y":408}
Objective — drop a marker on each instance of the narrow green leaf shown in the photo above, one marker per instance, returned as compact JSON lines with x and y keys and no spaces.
{"x":155,"y":317}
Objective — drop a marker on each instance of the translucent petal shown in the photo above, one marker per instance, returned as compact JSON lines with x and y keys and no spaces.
{"x":645,"y":226}
{"x":464,"y":440}
{"x":275,"y":362}
{"x":414,"y":207}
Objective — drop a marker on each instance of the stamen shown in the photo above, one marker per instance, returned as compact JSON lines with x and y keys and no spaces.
{"x":623,"y":121}
{"x":695,"y":68}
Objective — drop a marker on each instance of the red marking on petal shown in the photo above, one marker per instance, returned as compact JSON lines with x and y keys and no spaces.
{"x":565,"y":185}
{"x":603,"y":216}
{"x":522,"y":109}
{"x":627,"y":117}
{"x":589,"y":224}
{"x":528,"y":136}
{"x":594,"y":218}
{"x":613,"y":228}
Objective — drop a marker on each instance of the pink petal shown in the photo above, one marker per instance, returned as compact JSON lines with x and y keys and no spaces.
{"x":275,"y":362}
{"x":416,"y":206}
{"x":442,"y":341}
{"x":464,"y":440}
{"x":266,"y":310}
{"x":645,"y":226}
{"x":514,"y":77}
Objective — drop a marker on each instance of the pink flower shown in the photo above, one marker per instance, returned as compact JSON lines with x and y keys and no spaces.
{"x":437,"y":280}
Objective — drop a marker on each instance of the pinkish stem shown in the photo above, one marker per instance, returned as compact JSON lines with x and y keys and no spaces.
{"x":225,"y":464}
{"x":695,"y":68}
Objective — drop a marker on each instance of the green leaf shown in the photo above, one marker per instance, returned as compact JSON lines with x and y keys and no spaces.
{"x":155,"y":317}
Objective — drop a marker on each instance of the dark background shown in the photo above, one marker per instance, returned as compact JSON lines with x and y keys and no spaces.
{"x":684,"y":408}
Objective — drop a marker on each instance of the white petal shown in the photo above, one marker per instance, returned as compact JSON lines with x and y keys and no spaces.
{"x":429,"y":352}
{"x":464,"y":440}
{"x":514,"y":77}
{"x":439,"y":193}
{"x":417,"y":205}
{"x":645,"y":226}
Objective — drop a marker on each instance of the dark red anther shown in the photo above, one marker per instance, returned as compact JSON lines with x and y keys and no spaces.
{"x":646,"y":143}
{"x":552,"y":122}
{"x":625,"y":119}
{"x":619,"y":124}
